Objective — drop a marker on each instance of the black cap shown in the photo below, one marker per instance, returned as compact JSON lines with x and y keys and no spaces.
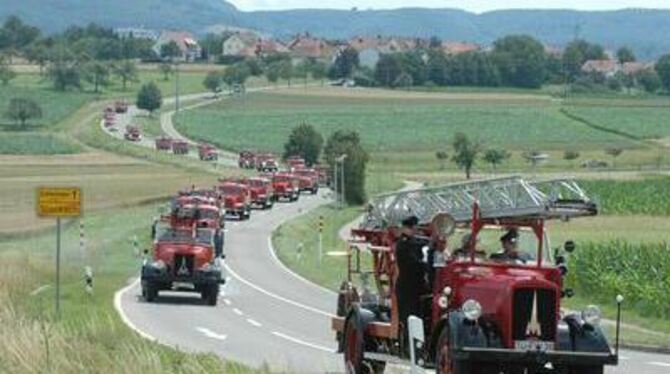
{"x":410,"y":221}
{"x":511,"y":235}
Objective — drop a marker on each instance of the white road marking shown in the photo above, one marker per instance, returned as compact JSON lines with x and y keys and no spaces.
{"x":274,"y":296}
{"x":254,"y":322}
{"x":238,"y":312}
{"x":211,"y":334}
{"x":40,"y":289}
{"x":662,"y":364}
{"x":302,"y":342}
{"x":291,"y":272}
{"x":227,"y":302}
{"x":124,"y":317}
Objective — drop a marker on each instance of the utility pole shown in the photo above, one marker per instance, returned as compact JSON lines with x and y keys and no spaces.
{"x":341,"y":161}
{"x":335,"y":186}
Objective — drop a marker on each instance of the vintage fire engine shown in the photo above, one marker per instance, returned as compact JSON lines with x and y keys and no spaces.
{"x":483,"y":313}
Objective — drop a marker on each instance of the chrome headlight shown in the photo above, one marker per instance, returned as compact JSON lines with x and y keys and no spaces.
{"x":443,"y":302}
{"x":592,"y":315}
{"x":472,"y":309}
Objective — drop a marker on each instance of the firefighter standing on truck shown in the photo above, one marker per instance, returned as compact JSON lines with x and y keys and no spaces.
{"x":411,"y":282}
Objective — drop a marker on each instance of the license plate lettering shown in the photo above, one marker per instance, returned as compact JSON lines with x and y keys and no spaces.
{"x":530,"y":345}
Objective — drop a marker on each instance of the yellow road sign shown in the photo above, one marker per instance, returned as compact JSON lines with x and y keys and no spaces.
{"x":59,"y":202}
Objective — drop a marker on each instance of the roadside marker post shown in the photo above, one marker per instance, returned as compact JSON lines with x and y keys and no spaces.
{"x":320,"y":239}
{"x":58,"y":202}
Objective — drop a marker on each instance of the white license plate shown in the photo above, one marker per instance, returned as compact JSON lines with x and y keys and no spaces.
{"x":533,"y":345}
{"x":178,"y":285}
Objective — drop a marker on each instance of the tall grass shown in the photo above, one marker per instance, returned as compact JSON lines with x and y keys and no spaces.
{"x":640,"y":272}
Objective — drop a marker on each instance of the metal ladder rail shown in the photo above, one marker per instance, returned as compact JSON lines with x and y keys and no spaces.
{"x":498,"y":198}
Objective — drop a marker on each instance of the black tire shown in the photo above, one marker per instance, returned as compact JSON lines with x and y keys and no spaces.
{"x":150,"y":293}
{"x":442,"y":353}
{"x":315,"y":190}
{"x":354,"y":346}
{"x":210,"y":294}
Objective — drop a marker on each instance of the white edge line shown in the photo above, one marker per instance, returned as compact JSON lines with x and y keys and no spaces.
{"x":211,"y":334}
{"x":119,"y":309}
{"x":656,"y":363}
{"x":291,"y":272}
{"x":302,"y":342}
{"x":238,"y":312}
{"x":254,"y":322}
{"x":274,"y":296}
{"x":227,"y":302}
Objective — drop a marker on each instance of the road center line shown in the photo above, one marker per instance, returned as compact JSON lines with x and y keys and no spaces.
{"x":662,"y":364}
{"x":254,"y":322}
{"x":302,"y":342}
{"x":227,"y":302}
{"x":238,"y":312}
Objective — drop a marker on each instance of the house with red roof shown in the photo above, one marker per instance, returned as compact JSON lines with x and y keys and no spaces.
{"x":187,"y":43}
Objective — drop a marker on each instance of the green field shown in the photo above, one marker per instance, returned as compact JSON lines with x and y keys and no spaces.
{"x":56,"y":106}
{"x":35,"y":144}
{"x":645,"y":122}
{"x":393,"y":124}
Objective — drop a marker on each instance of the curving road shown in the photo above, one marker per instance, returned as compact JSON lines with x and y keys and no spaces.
{"x":267,"y":315}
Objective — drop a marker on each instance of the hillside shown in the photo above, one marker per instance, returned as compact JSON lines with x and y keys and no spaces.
{"x":645,"y":30}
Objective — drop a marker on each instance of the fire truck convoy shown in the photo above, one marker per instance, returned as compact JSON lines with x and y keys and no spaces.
{"x":483,"y":313}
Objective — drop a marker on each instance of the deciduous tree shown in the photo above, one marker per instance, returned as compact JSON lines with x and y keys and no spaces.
{"x":306,"y":142}
{"x":465,"y":153}
{"x":149,"y":97}
{"x":22,"y":110}
{"x":349,"y":144}
{"x":127,"y":72}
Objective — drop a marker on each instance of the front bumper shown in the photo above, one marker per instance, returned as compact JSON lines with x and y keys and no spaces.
{"x":534,"y":357}
{"x":163,"y":276}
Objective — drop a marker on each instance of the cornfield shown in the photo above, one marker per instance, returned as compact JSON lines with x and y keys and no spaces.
{"x":639,"y":272}
{"x":650,"y":196}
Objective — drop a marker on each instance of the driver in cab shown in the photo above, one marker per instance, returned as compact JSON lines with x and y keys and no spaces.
{"x":510,"y":248}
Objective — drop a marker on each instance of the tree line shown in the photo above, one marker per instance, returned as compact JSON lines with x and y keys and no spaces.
{"x":513,"y":61}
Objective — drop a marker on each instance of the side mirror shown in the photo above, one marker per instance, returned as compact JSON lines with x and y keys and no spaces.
{"x":569,"y":246}
{"x":568,"y":292}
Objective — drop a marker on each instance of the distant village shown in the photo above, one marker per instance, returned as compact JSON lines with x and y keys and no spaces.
{"x":237,"y":45}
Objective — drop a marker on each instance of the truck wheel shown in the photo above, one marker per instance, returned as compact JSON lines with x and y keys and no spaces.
{"x":443,"y":362}
{"x":150,"y":293}
{"x":354,"y":348}
{"x":210,"y":294}
{"x":315,"y":190}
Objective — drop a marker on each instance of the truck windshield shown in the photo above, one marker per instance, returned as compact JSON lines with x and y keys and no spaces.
{"x":232,"y":190}
{"x":520,"y":247}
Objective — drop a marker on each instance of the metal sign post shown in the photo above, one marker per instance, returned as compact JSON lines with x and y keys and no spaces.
{"x":58,"y":202}
{"x":58,"y":268}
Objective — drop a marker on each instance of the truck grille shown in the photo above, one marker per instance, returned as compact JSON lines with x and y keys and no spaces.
{"x":522,"y":311}
{"x":183,"y":266}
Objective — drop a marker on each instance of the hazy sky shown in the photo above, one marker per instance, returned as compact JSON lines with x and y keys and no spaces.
{"x":471,"y":5}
